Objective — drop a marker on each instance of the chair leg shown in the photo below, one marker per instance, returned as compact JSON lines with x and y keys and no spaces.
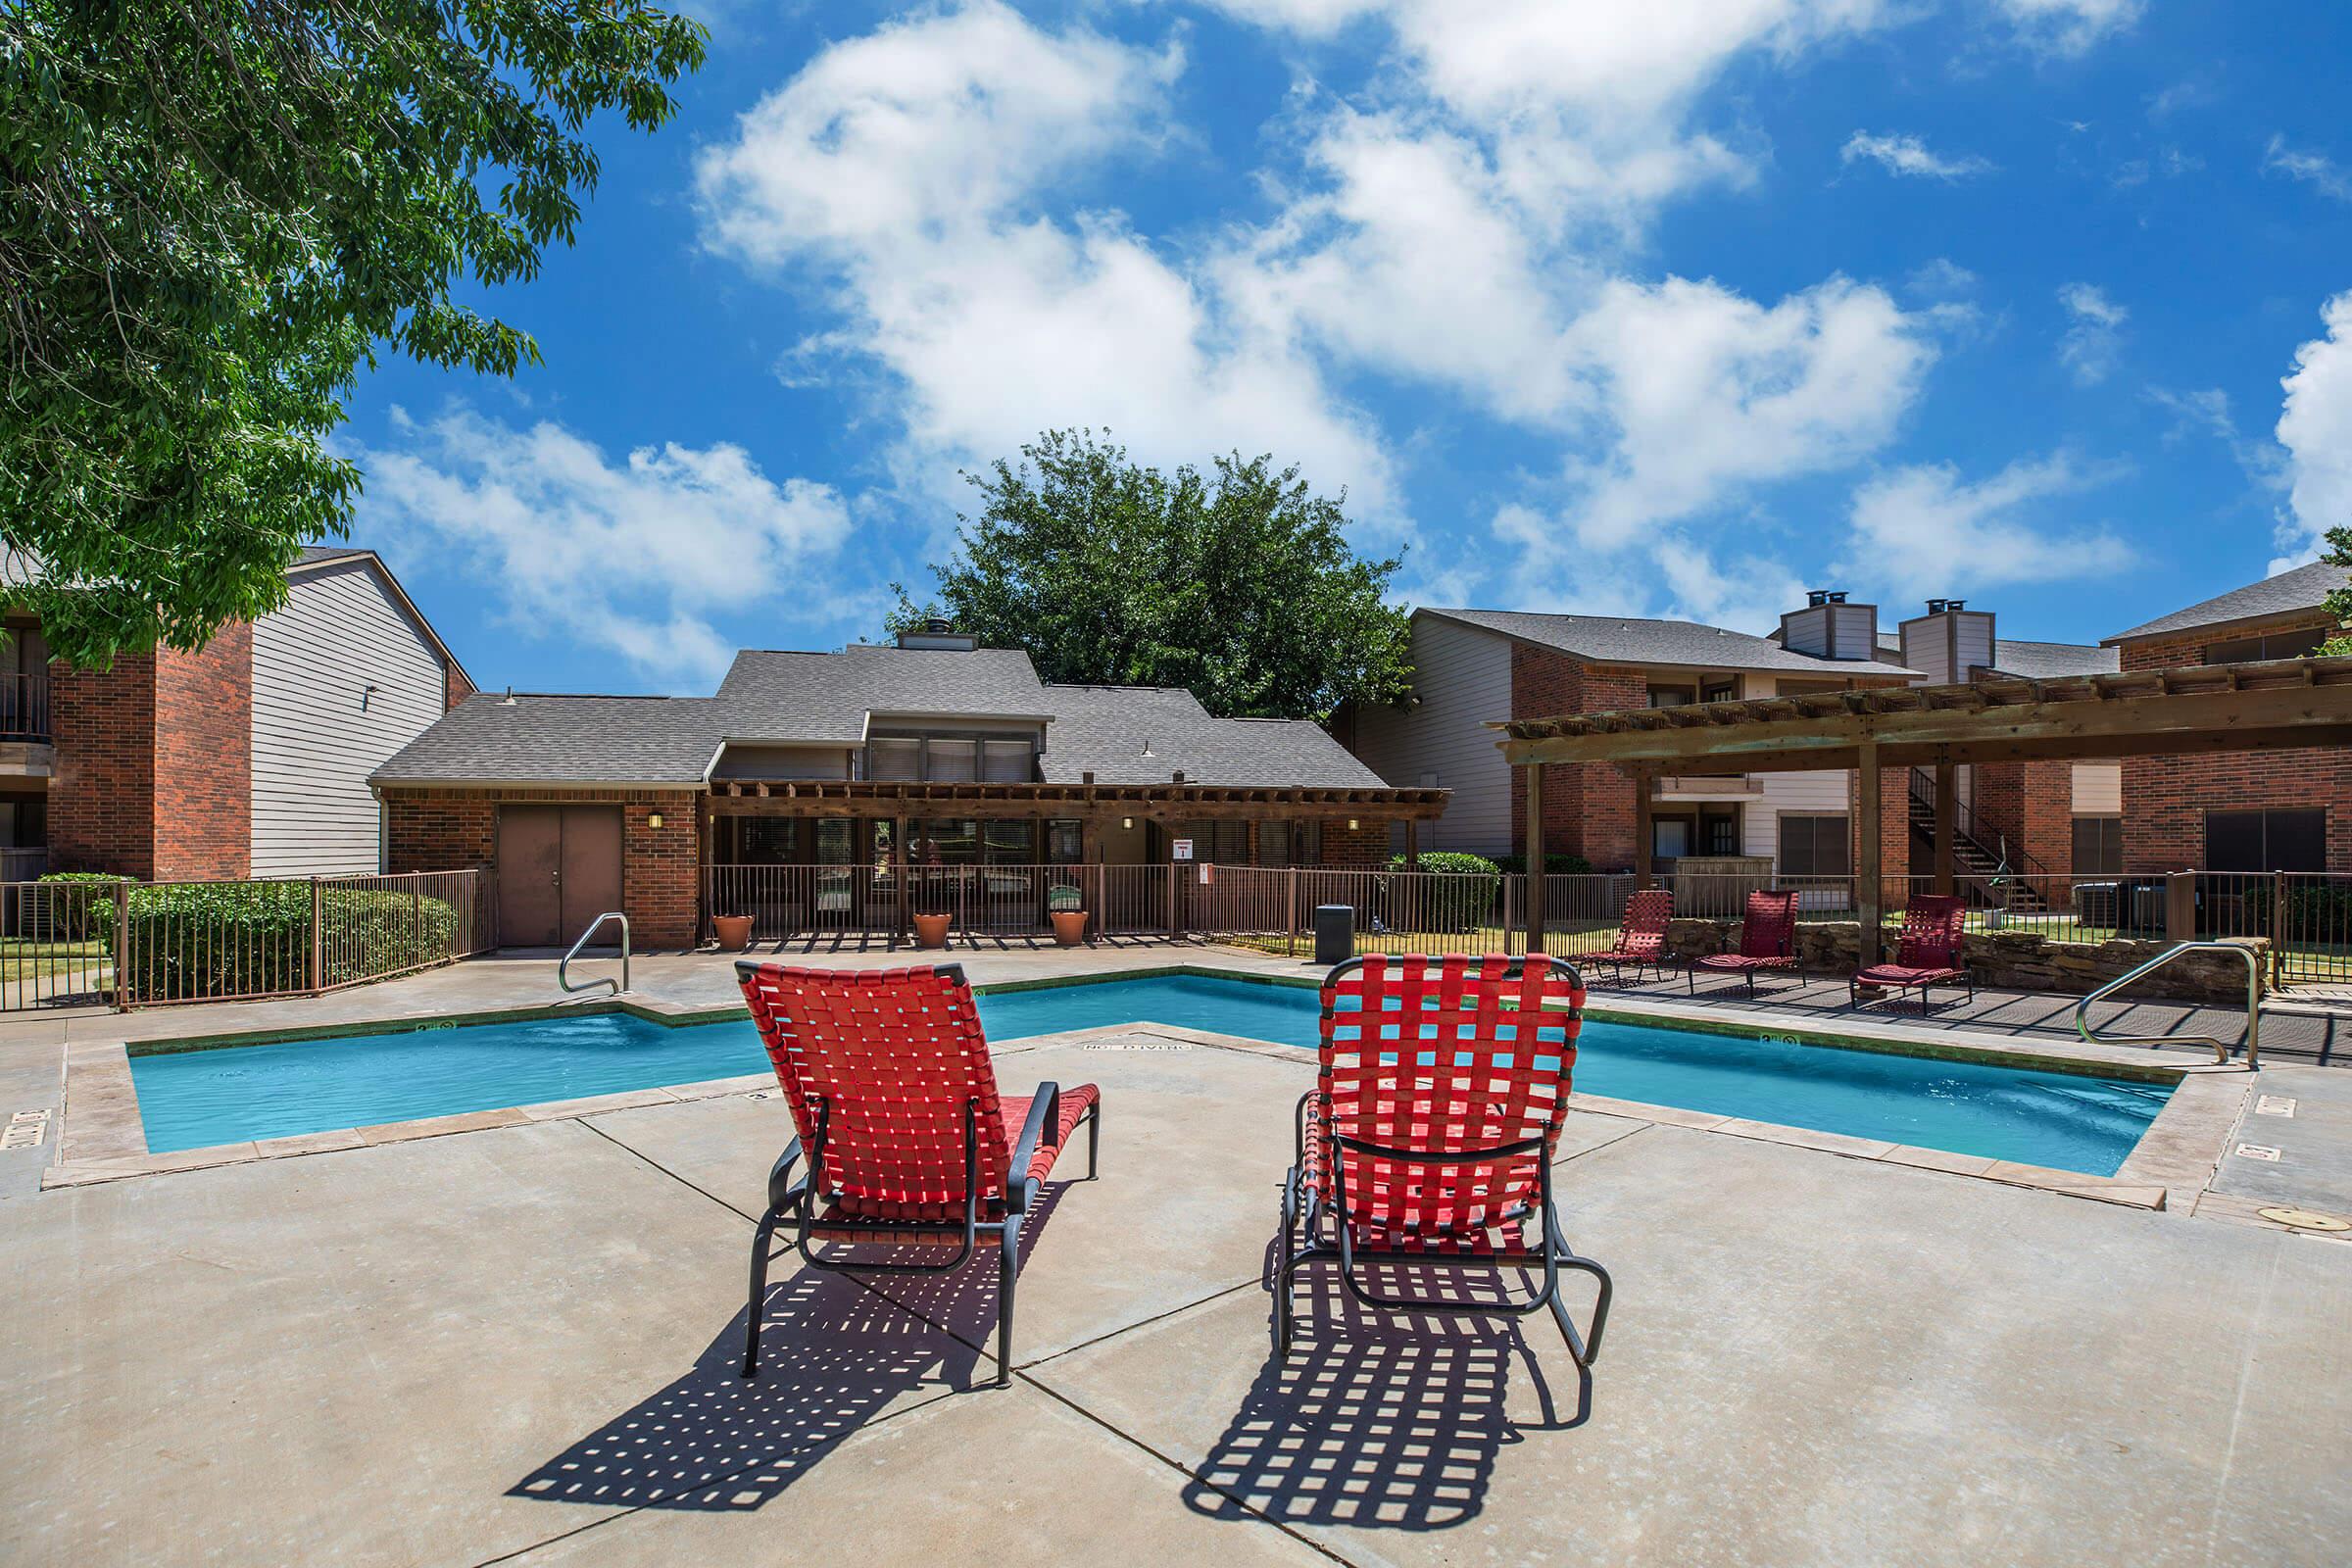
{"x":1093,"y":1141}
{"x":1008,"y":1272}
{"x":1586,"y":1351}
{"x":764,"y":1242}
{"x":1284,"y":1251}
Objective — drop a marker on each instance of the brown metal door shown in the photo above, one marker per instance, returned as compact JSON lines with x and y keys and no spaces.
{"x":591,"y":868}
{"x":530,"y":875}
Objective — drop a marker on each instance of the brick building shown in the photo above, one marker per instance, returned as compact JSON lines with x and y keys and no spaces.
{"x":247,"y":757}
{"x":2280,"y":810}
{"x":832,"y":791}
{"x":1473,"y":666}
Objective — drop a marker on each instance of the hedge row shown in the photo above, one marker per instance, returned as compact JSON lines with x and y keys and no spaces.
{"x":242,"y":938}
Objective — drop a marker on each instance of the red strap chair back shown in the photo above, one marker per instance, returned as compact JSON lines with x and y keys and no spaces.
{"x":1445,"y":1055}
{"x":1643,"y":929}
{"x":1932,"y":927}
{"x":1769,"y":930}
{"x":889,"y":1060}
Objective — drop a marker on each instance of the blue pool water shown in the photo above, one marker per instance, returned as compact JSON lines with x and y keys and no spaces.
{"x":197,"y":1097}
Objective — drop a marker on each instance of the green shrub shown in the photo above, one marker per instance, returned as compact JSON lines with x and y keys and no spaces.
{"x":1460,"y":903}
{"x":72,"y":914}
{"x":1554,"y":865}
{"x":226,"y":939}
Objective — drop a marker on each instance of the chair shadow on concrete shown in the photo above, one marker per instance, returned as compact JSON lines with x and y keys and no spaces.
{"x":1385,"y":1421}
{"x":835,"y":1356}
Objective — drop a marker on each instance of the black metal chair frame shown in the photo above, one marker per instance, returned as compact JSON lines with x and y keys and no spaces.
{"x":1305,"y":1239}
{"x":797,"y":1201}
{"x":1617,"y":966}
{"x":1962,"y":979}
{"x":1796,"y":965}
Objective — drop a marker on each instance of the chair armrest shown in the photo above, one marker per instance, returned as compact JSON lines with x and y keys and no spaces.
{"x":1045,"y":1111}
{"x":1426,"y":1156}
{"x":779,"y":1176}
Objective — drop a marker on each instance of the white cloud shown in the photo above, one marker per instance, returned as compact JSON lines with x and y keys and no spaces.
{"x":917,"y":168}
{"x":2314,"y":169}
{"x":1710,"y":393}
{"x":1909,"y":156}
{"x":2095,"y":337}
{"x":2315,"y":429}
{"x":631,"y":558}
{"x":1922,"y":530}
{"x":2068,"y":27}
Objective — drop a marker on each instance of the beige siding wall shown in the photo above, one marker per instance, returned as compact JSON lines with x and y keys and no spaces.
{"x":784,"y":761}
{"x":1463,"y":678}
{"x":1825,"y":793}
{"x":318,"y":732}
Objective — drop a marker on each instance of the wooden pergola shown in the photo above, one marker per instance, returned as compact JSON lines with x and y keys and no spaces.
{"x":2200,"y":708}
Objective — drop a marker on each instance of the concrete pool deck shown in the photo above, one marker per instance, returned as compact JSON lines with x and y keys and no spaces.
{"x":516,"y":1343}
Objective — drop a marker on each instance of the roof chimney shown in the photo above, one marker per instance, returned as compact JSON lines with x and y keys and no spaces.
{"x":1829,"y":628}
{"x":1949,"y":643}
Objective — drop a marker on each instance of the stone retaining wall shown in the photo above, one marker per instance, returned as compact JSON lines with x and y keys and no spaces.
{"x":2010,"y":961}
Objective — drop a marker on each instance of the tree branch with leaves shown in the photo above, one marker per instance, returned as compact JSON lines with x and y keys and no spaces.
{"x":212,"y":213}
{"x":1238,"y":584}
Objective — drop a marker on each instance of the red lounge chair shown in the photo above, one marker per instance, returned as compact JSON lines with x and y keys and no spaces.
{"x":1641,"y":936}
{"x":895,"y":1100}
{"x":1436,"y":1154}
{"x":1767,"y":940}
{"x":1926,"y":955}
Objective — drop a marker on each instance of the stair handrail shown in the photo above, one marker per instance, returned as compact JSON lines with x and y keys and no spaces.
{"x":563,"y":969}
{"x":1964,"y":824}
{"x":2222,"y":1049}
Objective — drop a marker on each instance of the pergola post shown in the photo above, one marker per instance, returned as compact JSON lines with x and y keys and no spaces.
{"x":1868,"y":887}
{"x":1535,"y":859}
{"x":1947,"y":821}
{"x":904,"y":863}
{"x":1412,"y":844}
{"x":1646,"y":832}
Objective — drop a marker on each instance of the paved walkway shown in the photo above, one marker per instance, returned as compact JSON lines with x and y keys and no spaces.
{"x":516,"y":1344}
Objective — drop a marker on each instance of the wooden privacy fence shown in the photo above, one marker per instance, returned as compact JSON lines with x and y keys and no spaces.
{"x":132,"y":944}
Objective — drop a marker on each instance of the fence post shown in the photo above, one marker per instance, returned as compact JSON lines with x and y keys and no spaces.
{"x":2181,"y":907}
{"x":1289,"y":913}
{"x":2277,"y":929}
{"x":122,"y":946}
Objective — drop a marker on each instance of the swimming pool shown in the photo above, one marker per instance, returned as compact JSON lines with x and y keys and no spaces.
{"x":194,"y":1098}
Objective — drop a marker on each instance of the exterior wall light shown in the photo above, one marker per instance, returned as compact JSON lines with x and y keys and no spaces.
{"x":653,"y":819}
{"x":1126,"y":824}
{"x":1351,"y":824}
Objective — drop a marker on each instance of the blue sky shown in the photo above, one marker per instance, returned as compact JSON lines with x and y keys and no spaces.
{"x":1674,"y":306}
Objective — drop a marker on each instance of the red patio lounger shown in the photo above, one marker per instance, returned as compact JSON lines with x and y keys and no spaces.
{"x":1429,"y":1135}
{"x":895,"y":1100}
{"x":1641,"y":936}
{"x":1767,"y":940}
{"x":1926,"y":955}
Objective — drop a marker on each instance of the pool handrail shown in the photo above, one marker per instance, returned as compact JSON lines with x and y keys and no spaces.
{"x":563,"y":969}
{"x":2222,"y":1049}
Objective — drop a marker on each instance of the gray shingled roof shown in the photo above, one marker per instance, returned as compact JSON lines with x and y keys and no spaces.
{"x":562,"y":740}
{"x":2038,"y":660}
{"x":2303,"y":588}
{"x":771,"y":696}
{"x":1621,"y":640}
{"x":827,"y":697}
{"x":1103,"y":730}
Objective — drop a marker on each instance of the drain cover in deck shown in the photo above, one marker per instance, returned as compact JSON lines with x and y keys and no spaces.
{"x":2306,"y":1219}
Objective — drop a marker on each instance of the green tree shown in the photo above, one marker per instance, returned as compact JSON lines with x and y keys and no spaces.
{"x":2338,"y":603}
{"x":212,"y":212}
{"x":1238,"y":584}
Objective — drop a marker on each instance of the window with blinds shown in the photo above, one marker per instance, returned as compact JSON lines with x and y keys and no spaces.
{"x":893,"y":758}
{"x":1225,"y":842}
{"x":955,"y":761}
{"x":1007,"y":761}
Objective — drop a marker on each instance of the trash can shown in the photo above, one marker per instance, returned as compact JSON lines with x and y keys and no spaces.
{"x":1334,"y":933}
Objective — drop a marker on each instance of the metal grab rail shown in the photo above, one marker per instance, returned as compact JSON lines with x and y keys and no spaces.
{"x":563,"y":974}
{"x":2221,"y":1048}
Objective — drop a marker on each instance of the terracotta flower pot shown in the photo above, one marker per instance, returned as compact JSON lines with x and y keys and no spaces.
{"x":734,"y":931}
{"x":931,"y":930}
{"x":1069,"y":927}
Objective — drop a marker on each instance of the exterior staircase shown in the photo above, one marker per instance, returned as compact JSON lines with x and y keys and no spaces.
{"x":1986,"y":867}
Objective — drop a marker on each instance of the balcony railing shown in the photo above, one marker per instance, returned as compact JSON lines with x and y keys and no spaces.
{"x":24,"y":707}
